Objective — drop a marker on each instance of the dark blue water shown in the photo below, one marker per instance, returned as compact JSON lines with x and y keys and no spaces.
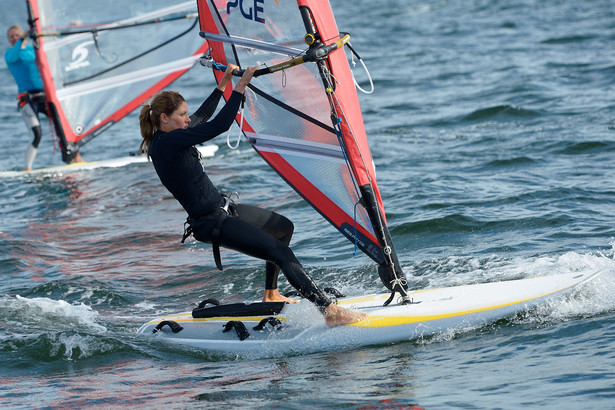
{"x":493,"y":131}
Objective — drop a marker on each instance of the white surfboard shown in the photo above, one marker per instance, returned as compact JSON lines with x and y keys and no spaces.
{"x":300,"y":328}
{"x":207,"y":151}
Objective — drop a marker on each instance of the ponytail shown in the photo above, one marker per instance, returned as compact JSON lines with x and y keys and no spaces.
{"x":165,"y":102}
{"x":147,"y":128}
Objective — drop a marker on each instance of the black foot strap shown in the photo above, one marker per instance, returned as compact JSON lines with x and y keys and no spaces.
{"x":274,"y":322}
{"x":212,"y":301}
{"x":239,"y":327}
{"x":175,"y":327}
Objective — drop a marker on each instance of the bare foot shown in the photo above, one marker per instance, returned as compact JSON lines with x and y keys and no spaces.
{"x":273,"y":295}
{"x":335,"y":315}
{"x":77,"y":158}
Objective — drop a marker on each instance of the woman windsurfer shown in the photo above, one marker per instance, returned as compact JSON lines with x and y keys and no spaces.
{"x":169,"y":136}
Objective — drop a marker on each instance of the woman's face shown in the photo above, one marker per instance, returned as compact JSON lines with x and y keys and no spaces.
{"x":178,"y":119}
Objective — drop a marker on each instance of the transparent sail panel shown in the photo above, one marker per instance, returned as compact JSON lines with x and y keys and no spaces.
{"x":95,"y":75}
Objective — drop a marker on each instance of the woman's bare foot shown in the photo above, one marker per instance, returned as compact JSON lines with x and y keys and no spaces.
{"x":77,"y":158}
{"x":273,"y":295}
{"x":335,"y":315}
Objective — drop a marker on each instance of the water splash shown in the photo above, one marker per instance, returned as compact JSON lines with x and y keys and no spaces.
{"x":50,"y":313}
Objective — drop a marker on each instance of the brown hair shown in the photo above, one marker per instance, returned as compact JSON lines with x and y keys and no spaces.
{"x":165,"y":102}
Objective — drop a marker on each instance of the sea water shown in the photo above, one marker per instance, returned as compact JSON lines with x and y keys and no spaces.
{"x":492,"y":126}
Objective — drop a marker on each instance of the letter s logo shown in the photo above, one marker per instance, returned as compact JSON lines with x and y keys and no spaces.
{"x":80,"y":56}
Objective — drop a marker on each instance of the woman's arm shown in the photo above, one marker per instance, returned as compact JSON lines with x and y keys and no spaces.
{"x":223,"y":121}
{"x":207,"y":109}
{"x":206,"y":131}
{"x":228,"y":75}
{"x":245,"y":79}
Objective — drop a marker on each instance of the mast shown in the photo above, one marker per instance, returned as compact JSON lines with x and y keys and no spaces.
{"x":390,"y":271}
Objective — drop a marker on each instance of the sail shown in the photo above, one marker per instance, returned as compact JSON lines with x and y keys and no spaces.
{"x":99,"y":61}
{"x":304,"y":118}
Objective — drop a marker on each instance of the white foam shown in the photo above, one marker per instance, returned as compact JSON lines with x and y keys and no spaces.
{"x":50,"y":309}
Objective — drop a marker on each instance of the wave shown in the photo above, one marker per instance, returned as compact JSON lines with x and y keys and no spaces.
{"x":458,"y":223}
{"x":569,"y":39}
{"x":499,"y":112}
{"x":585,"y":147}
{"x":510,"y":162}
{"x":50,"y":314}
{"x":71,"y":291}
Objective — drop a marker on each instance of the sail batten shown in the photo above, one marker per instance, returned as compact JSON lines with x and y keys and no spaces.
{"x":246,"y":42}
{"x":299,"y":147}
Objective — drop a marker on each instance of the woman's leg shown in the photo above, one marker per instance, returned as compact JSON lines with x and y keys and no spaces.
{"x":244,"y":237}
{"x":274,"y":224}
{"x":247,"y":238}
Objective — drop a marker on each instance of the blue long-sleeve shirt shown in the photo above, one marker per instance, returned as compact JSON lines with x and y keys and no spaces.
{"x":22,"y":65}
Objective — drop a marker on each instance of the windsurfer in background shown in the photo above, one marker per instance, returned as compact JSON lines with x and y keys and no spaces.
{"x":21,"y":62}
{"x":169,"y":138}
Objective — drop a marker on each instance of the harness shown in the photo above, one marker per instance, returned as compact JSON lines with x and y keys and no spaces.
{"x":227,"y":209}
{"x":27,"y":96}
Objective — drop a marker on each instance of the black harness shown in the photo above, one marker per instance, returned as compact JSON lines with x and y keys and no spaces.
{"x":223,"y":212}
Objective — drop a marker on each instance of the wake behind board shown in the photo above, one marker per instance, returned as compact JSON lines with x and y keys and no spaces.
{"x":279,"y":328}
{"x":207,"y":151}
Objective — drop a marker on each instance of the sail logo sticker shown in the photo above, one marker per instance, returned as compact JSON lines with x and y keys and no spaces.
{"x":253,"y":10}
{"x":80,"y":57}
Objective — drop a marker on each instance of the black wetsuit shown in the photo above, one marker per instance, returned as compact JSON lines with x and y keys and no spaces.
{"x":253,"y":231}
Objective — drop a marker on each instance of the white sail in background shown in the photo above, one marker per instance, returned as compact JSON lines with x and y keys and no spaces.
{"x":100,"y":61}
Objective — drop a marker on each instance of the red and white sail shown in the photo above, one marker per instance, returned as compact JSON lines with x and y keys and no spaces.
{"x":99,"y":61}
{"x":305,"y":120}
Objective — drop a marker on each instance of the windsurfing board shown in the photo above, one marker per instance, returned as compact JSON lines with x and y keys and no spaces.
{"x":282,"y":328}
{"x":207,"y":151}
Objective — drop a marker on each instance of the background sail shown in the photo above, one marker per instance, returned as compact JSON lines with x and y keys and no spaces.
{"x":288,"y":114}
{"x":93,"y":77}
